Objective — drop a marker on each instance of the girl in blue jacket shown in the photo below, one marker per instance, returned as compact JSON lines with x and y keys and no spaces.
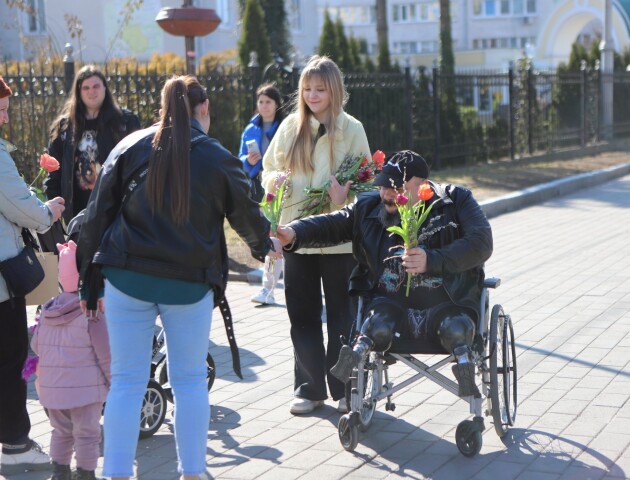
{"x":260,"y":129}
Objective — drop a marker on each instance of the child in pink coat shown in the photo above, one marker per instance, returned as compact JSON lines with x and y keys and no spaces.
{"x":73,"y":374}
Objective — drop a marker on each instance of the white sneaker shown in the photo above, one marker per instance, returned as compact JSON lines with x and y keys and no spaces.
{"x":304,"y":405}
{"x":265,"y":296}
{"x":32,"y":459}
{"x":343,"y":405}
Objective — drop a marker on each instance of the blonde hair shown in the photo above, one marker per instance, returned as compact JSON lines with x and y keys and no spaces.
{"x":299,"y":157}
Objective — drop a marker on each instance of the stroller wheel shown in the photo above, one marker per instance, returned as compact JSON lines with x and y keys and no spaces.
{"x":153,"y":409}
{"x":468,"y":438}
{"x":348,"y":433}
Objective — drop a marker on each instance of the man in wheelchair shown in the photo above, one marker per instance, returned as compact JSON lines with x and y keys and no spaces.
{"x":447,"y":267}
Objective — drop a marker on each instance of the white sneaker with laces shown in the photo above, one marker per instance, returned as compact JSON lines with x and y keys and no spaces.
{"x":265,"y":296}
{"x":32,"y":459}
{"x":343,"y":405}
{"x":304,"y":405}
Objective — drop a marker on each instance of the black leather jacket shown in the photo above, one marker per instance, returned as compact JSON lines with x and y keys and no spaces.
{"x":133,"y":238}
{"x":61,"y":182}
{"x":456,"y":254}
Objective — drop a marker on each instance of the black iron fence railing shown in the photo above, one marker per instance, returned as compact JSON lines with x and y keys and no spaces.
{"x":452,"y":120}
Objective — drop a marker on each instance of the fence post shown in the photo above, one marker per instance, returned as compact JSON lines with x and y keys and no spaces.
{"x":511,"y":110}
{"x":68,"y":68}
{"x":583,"y":103}
{"x":530,"y":107}
{"x":437,"y":162}
{"x":408,"y":107}
{"x":254,"y":69}
{"x":598,"y":92}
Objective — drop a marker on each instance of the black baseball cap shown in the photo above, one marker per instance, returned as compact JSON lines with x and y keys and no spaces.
{"x":400,"y":167}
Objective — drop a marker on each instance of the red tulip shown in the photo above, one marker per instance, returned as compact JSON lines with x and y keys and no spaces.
{"x":425,"y":192}
{"x":364,"y":175}
{"x":364,"y":162}
{"x":48,"y":163}
{"x":402,"y":200}
{"x":379,"y":158}
{"x":270,"y":197}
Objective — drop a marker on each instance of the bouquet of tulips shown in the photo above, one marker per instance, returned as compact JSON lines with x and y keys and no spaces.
{"x":272,"y":206}
{"x":411,"y":219}
{"x":272,"y":209}
{"x":358,"y":169}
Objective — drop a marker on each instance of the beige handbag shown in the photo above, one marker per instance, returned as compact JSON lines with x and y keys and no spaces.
{"x":49,"y":287}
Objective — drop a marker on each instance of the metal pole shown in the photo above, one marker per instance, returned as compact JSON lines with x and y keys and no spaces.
{"x":437,"y":161}
{"x":68,"y":68}
{"x":190,"y":47}
{"x":607,"y":66}
{"x":511,"y":110}
{"x":408,"y":107}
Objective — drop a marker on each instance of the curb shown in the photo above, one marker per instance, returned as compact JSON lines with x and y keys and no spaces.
{"x":545,"y":191}
{"x":253,"y":276}
{"x":511,"y":202}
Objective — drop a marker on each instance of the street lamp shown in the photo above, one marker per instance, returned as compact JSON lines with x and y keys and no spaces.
{"x":189,"y":22}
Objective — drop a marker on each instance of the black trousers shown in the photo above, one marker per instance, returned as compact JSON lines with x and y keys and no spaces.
{"x":304,"y":277}
{"x":14,"y":422}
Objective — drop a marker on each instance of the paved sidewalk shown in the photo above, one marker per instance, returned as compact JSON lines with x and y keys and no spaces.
{"x":565,"y":266}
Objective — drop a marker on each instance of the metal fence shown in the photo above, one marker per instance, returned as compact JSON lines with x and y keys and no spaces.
{"x":452,"y":120}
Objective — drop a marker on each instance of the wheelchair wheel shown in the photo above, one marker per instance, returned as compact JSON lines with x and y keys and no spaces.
{"x":366,"y":384}
{"x":348,"y":433}
{"x":163,"y":377}
{"x":153,"y":409}
{"x":468,"y":439}
{"x":503,"y":374}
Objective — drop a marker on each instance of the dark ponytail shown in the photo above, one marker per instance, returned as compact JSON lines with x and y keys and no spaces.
{"x":169,"y":164}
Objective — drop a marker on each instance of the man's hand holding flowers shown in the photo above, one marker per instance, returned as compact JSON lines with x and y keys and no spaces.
{"x":415,"y":260}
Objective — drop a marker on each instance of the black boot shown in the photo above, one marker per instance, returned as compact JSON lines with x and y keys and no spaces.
{"x":61,"y":472}
{"x":348,"y":359}
{"x":465,"y":375}
{"x":81,"y":474}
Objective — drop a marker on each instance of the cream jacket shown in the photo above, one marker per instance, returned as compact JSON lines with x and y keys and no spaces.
{"x":350,"y":139}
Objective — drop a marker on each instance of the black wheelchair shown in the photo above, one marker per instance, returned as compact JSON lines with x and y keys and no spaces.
{"x":494,"y":356}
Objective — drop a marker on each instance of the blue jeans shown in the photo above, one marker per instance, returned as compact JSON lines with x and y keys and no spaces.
{"x":131,"y":325}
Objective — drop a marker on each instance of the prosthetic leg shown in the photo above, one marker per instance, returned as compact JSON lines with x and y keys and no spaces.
{"x":456,"y":331}
{"x":377,"y":334}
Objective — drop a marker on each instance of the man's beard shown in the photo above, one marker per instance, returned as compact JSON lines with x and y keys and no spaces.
{"x":388,"y":219}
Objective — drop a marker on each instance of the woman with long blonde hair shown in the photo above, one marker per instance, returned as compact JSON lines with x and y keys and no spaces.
{"x":311,"y":144}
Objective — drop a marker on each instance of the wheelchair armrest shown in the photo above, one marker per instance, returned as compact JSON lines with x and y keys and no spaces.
{"x":492,"y":282}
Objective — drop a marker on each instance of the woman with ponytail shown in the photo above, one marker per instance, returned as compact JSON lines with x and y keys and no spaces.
{"x":153,"y":230}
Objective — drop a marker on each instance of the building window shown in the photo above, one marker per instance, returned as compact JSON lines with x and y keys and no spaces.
{"x":506,"y":8}
{"x":406,"y":47}
{"x":418,"y":12}
{"x":35,"y":17}
{"x":531,"y":6}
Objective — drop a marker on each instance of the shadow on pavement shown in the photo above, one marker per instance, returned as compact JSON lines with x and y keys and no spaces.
{"x":223,"y":420}
{"x":557,"y":454}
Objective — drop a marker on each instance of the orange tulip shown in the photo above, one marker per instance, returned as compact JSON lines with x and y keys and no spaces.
{"x":425,"y":192}
{"x":48,"y":163}
{"x":379,"y":158}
